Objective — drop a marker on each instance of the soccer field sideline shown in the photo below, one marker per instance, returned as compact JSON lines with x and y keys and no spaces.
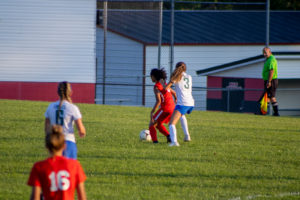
{"x":231,"y":156}
{"x":280,"y":195}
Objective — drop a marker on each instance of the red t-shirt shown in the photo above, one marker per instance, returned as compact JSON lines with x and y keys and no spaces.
{"x":57,"y":176}
{"x":167,"y":102}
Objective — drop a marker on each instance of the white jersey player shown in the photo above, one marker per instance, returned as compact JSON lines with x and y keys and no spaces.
{"x":64,"y":116}
{"x":185,"y":102}
{"x":64,"y":113}
{"x":183,"y":89}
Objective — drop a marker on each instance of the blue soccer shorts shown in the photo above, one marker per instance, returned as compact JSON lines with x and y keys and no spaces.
{"x":184,"y":109}
{"x":71,"y":150}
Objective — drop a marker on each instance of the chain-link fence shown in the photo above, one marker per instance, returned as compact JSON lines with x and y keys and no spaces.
{"x":135,"y":36}
{"x":228,"y":100}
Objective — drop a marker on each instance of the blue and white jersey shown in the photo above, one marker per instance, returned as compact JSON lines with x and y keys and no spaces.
{"x":183,"y":90}
{"x":65,"y":116}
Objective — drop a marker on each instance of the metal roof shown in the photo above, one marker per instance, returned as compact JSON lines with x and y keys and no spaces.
{"x":242,"y":62}
{"x":207,"y":27}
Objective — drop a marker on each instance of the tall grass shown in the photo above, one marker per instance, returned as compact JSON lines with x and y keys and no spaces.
{"x":231,"y":156}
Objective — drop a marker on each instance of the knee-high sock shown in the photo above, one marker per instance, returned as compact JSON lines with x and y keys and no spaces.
{"x":184,"y":125}
{"x":275,"y":107}
{"x":153,"y":133}
{"x":162,"y":129}
{"x":173,"y":133}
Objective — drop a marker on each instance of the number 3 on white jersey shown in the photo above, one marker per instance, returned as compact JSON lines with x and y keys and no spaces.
{"x":187,"y":83}
{"x":59,"y":181}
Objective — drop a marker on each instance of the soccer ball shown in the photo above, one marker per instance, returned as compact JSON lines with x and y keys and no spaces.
{"x":145,"y":135}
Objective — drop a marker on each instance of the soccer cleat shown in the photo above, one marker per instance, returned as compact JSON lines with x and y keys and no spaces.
{"x":187,"y":138}
{"x":155,"y":142}
{"x":174,"y":144}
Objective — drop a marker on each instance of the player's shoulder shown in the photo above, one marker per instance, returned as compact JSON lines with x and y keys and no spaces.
{"x":189,"y":77}
{"x":70,"y":105}
{"x":40,"y":164}
{"x":186,"y":75}
{"x":67,"y":162}
{"x":72,"y":163}
{"x":157,"y":84}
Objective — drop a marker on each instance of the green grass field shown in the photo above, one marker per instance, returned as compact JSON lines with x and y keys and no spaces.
{"x":231,"y":156}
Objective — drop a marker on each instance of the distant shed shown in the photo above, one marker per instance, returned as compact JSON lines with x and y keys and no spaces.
{"x":246,"y":74}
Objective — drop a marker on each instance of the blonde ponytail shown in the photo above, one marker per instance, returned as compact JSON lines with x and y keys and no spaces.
{"x":177,"y":73}
{"x":64,"y":92}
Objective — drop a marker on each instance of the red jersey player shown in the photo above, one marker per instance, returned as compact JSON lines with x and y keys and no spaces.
{"x":57,"y":177}
{"x":165,"y":103}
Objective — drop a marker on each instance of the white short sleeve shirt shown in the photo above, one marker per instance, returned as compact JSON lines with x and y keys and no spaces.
{"x":183,"y":90}
{"x":66,"y":116}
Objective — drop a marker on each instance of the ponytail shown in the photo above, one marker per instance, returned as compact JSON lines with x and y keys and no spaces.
{"x":177,"y":73}
{"x":55,"y":140}
{"x":64,"y":92}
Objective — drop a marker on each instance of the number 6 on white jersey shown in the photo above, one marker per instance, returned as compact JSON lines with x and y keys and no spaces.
{"x":61,"y":179}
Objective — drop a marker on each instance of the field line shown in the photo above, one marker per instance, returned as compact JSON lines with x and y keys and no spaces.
{"x":286,"y":194}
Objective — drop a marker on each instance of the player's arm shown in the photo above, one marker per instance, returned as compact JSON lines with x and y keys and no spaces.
{"x":81,"y":191}
{"x":168,"y":86}
{"x":157,"y":103}
{"x":175,"y":77}
{"x":35,"y":193}
{"x":80,"y":127}
{"x":271,"y":72}
{"x":47,"y":125}
{"x":174,"y":94}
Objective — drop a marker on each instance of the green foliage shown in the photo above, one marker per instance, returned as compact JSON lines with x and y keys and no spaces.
{"x":285,"y":4}
{"x":231,"y":156}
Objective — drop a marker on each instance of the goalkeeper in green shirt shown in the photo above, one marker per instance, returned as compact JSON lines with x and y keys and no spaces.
{"x":269,"y":75}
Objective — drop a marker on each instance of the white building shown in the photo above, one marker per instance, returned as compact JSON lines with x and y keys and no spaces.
{"x":202,"y":39}
{"x":45,"y":42}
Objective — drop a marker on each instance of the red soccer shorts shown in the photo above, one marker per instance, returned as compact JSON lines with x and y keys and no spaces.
{"x":162,"y":117}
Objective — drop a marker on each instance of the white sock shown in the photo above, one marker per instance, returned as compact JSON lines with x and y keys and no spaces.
{"x":184,"y":126}
{"x":173,"y":134}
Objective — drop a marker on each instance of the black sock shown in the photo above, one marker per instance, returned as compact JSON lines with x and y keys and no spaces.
{"x":275,"y":108}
